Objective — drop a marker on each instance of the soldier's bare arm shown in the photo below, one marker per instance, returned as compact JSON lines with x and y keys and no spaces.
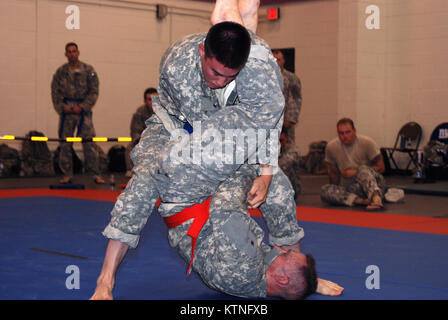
{"x":115,"y":253}
{"x":349,"y":173}
{"x":333,"y":173}
{"x":378,"y":164}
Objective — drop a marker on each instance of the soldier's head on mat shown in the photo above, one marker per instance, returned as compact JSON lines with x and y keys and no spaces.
{"x":72,"y":52}
{"x":292,"y":275}
{"x":346,"y":131}
{"x":224,"y":53}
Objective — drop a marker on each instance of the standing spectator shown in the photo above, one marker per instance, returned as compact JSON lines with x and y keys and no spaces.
{"x":74,"y":91}
{"x":292,"y":91}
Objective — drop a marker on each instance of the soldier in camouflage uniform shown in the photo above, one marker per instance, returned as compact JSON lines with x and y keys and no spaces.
{"x":436,"y":154}
{"x":292,"y":90}
{"x":185,"y":96}
{"x":74,"y":91}
{"x":230,"y":256}
{"x":314,"y":161}
{"x":289,"y":162}
{"x":262,"y":110}
{"x":354,"y":167}
{"x":142,"y":114}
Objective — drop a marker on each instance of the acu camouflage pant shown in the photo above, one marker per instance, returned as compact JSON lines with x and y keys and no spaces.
{"x":363,"y":185}
{"x":290,"y":166}
{"x":91,"y":157}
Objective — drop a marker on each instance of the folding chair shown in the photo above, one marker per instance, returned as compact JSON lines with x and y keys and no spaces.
{"x":436,"y":153}
{"x":440,"y":133}
{"x":407,"y":141}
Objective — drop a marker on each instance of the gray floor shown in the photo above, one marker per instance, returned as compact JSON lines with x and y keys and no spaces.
{"x":414,"y":204}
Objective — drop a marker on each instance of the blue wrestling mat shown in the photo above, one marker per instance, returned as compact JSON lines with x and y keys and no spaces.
{"x":48,"y":243}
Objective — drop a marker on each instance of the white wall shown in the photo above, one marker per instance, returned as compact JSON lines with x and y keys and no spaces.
{"x":123,"y":40}
{"x":381,"y":78}
{"x":395,"y":74}
{"x":312,"y":29}
{"x":416,"y":63}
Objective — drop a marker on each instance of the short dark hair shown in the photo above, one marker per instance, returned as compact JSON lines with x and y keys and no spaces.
{"x":71,"y":44}
{"x":149,"y":91}
{"x":303,"y":280}
{"x":310,"y":274}
{"x":229,"y":43}
{"x":345,"y":121}
{"x":274,"y":51}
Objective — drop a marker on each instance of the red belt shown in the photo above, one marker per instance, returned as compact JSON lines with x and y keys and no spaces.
{"x":200,"y":213}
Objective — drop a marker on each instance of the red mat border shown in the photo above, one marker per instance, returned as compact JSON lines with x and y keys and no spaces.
{"x":376,"y":220}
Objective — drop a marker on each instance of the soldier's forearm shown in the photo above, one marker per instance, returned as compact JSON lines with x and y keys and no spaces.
{"x":86,"y":107}
{"x":58,"y":104}
{"x":378,"y":164}
{"x":115,"y":253}
{"x":89,"y":102}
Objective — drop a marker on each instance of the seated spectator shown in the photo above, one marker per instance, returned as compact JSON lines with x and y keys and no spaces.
{"x":355,"y":168}
{"x":143,"y":113}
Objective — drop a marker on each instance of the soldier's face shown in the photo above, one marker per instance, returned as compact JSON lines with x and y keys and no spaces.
{"x":148,"y":99}
{"x":72,"y":54}
{"x":216,"y":75}
{"x":346,"y":133}
{"x":280,"y":59}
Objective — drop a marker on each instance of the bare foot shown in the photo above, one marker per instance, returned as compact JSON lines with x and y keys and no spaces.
{"x":65,"y":180}
{"x":328,"y":288}
{"x":361,"y":201}
{"x":98,"y":180}
{"x":102,"y":292}
{"x":226,"y":10}
{"x":249,"y":13}
{"x":376,"y":204}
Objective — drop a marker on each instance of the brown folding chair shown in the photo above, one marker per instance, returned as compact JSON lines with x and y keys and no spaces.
{"x":407,"y":141}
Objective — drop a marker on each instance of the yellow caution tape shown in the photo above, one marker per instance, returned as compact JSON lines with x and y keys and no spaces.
{"x":99,"y":139}
{"x":8,"y":138}
{"x":73,"y":139}
{"x":39,"y":138}
{"x":68,"y":139}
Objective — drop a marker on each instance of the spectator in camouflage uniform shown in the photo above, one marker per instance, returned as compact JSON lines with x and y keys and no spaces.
{"x":289,"y":162}
{"x":436,"y":154}
{"x":74,"y":91}
{"x":186,"y":94}
{"x":355,"y":165}
{"x":292,"y":90}
{"x":142,"y":114}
